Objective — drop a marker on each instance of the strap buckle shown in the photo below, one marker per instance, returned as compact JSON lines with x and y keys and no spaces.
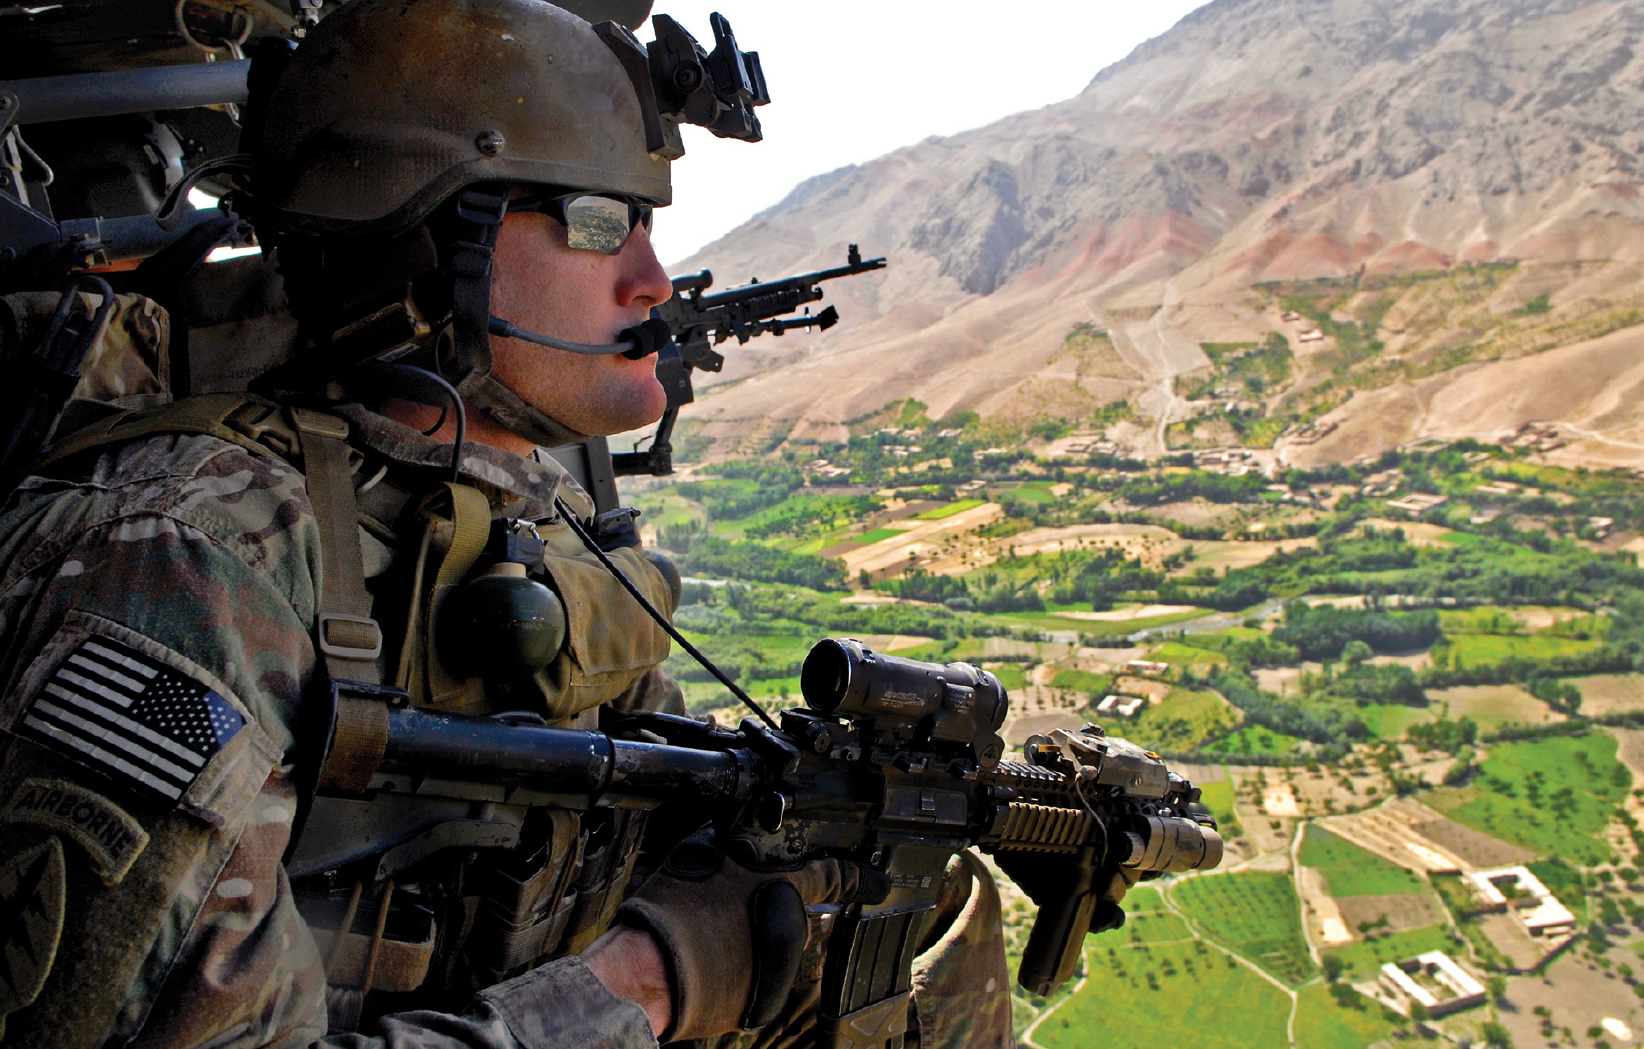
{"x":320,"y":424}
{"x":355,"y":637}
{"x":482,"y":208}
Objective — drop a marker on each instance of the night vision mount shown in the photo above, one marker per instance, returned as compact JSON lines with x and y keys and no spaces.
{"x":679,"y":82}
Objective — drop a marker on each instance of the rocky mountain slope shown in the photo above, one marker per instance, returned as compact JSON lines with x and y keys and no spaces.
{"x":1256,"y":143}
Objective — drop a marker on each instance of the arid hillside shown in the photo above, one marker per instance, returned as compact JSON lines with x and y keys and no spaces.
{"x":1414,"y":193}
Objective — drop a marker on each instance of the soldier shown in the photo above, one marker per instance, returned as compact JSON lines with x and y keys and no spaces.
{"x":176,"y":586}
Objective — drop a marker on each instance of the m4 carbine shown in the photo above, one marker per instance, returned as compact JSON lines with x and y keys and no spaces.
{"x":895,"y":764}
{"x":701,"y":321}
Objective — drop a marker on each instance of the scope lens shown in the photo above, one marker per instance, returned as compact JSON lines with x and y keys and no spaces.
{"x":825,"y":676}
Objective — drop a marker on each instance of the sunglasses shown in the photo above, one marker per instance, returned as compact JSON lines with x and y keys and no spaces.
{"x":592,"y":221}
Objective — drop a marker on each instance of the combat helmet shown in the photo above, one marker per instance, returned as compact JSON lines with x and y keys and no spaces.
{"x":384,"y":145}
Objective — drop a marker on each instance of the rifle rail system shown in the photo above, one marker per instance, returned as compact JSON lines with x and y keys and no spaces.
{"x":895,"y":764}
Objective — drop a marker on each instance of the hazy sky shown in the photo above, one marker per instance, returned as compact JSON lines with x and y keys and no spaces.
{"x":851,"y":80}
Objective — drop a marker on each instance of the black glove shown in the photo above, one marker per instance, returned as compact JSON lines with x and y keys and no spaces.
{"x":732,"y":938}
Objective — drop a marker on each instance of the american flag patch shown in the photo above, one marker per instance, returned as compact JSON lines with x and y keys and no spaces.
{"x":131,"y":717}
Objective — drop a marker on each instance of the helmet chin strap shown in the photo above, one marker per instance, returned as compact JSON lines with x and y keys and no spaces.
{"x":509,"y":410}
{"x":635,"y":343}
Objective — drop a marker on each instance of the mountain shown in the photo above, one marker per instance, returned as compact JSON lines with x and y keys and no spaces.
{"x":1438,"y":186}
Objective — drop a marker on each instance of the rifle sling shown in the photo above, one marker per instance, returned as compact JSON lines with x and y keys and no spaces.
{"x":348,"y":638}
{"x":470,"y":528}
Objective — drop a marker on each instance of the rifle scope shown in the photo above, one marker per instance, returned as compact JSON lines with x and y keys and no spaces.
{"x":957,"y":702}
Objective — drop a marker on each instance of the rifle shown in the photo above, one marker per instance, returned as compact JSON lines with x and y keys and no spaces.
{"x":700,"y":322}
{"x":895,"y":764}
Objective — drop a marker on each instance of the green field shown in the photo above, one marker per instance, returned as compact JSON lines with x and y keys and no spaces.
{"x":1553,"y":796}
{"x":1353,"y":871}
{"x":1032,"y":492}
{"x":1152,"y":926}
{"x":1254,"y":739}
{"x":1177,"y":654}
{"x":949,"y":510}
{"x":1010,"y":675}
{"x":1476,"y":649}
{"x":1144,"y":898}
{"x":1322,"y":1024}
{"x":1255,"y":914}
{"x":1181,"y":722}
{"x":1364,"y":957}
{"x":1082,"y":681}
{"x":1218,"y":798}
{"x":1187,"y":994}
{"x":878,"y":534}
{"x":1511,"y":619}
{"x":1390,"y":721}
{"x":1096,"y":627}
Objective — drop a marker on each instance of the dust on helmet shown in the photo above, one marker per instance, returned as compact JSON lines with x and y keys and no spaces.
{"x":389,"y":107}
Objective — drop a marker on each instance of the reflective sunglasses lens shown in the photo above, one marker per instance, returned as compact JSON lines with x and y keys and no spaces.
{"x":596,"y":224}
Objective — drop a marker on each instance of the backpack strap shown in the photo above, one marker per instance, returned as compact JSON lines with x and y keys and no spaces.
{"x":348,"y":639}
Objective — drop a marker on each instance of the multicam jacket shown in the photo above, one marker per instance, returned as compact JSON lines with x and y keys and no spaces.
{"x":157,"y":609}
{"x":143,"y":900}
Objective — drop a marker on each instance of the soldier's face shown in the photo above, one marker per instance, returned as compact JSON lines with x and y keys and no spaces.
{"x":543,"y":285}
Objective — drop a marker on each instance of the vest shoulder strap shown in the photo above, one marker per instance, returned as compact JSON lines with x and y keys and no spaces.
{"x":349,"y":639}
{"x":257,"y":425}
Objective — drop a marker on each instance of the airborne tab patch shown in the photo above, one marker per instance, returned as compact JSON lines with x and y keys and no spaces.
{"x":131,"y":717}
{"x":107,"y":832}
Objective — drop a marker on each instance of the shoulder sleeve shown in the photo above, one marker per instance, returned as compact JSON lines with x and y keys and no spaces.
{"x":155,"y":648}
{"x":155,"y":643}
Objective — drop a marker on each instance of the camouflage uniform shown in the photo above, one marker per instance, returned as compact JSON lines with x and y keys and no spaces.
{"x":195,"y":558}
{"x":201,"y":555}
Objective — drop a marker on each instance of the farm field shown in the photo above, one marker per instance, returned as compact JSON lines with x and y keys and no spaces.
{"x":1254,"y":740}
{"x":1603,"y":694}
{"x":1356,"y":664}
{"x":1323,"y":1024}
{"x":1133,"y":995}
{"x":1473,"y":649}
{"x":1492,"y":706}
{"x":1217,"y":796}
{"x":877,"y":535}
{"x":1178,"y":654}
{"x":1153,"y":926}
{"x":1391,"y":721}
{"x":1181,"y":722}
{"x":1083,"y":681}
{"x":1352,"y":871}
{"x":949,"y":510}
{"x":1255,"y":914}
{"x":1553,"y":796}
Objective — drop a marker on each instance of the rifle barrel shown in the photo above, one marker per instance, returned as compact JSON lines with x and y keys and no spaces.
{"x":804,"y":282}
{"x":558,"y":760}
